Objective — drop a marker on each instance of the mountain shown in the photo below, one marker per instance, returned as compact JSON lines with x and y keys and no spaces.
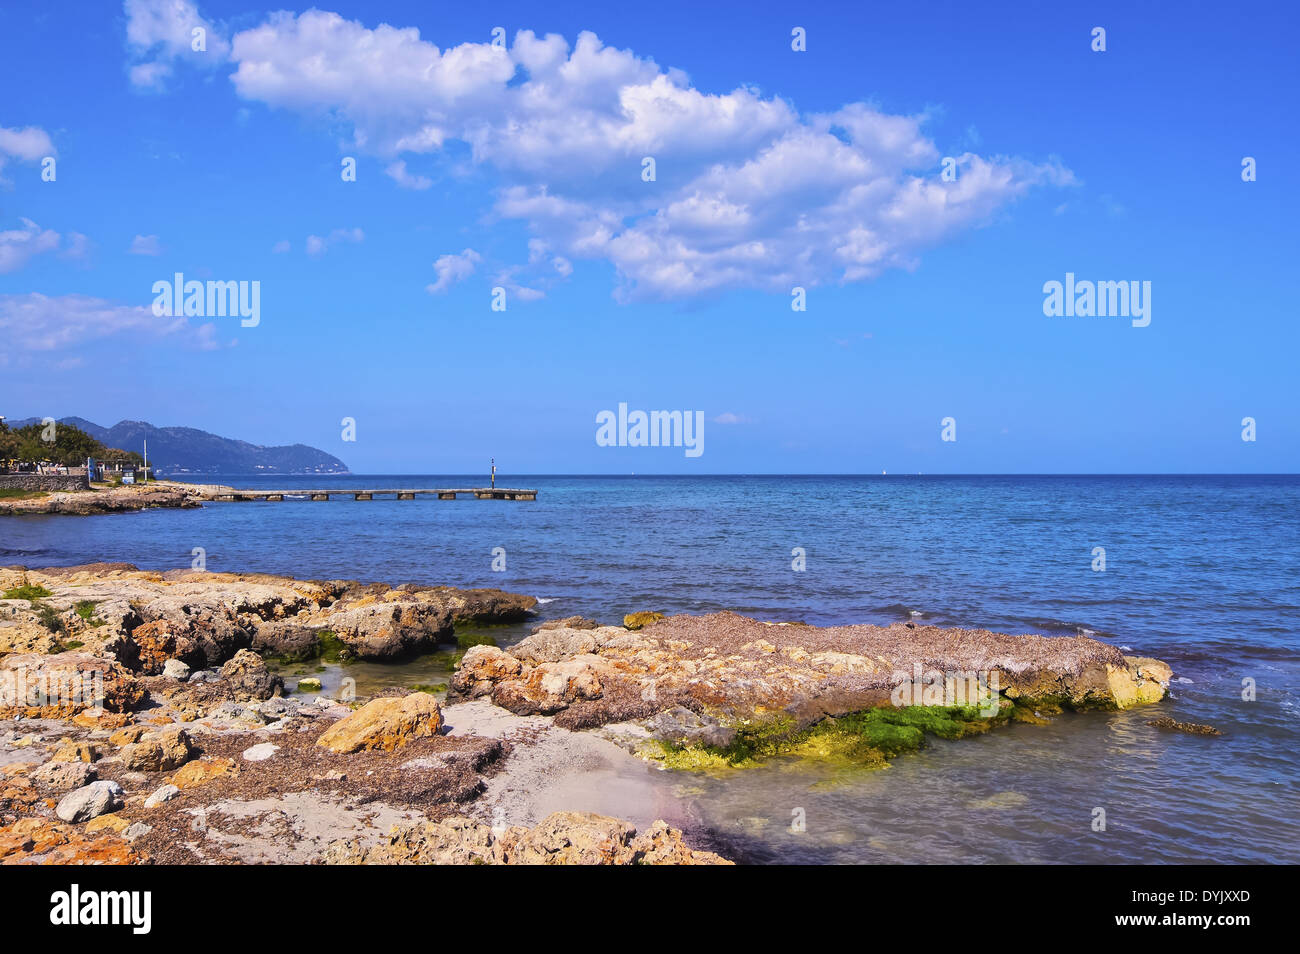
{"x":177,"y":451}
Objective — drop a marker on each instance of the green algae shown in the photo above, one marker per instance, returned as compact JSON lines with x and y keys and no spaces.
{"x":868,"y":739}
{"x":27,"y":591}
{"x":635,"y":621}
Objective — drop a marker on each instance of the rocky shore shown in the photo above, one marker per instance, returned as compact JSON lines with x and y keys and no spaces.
{"x":97,"y":500}
{"x":140,"y":721}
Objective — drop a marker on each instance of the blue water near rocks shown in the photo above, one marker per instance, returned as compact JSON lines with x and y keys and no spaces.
{"x":1201,"y":571}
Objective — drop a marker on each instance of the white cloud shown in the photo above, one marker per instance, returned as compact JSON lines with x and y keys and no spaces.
{"x":161,"y":32}
{"x":29,"y":144}
{"x":145,"y":245}
{"x":317,"y":245}
{"x":18,"y":246}
{"x":749,"y":193}
{"x":452,"y":269}
{"x":36,"y":322}
{"x":397,"y":172}
{"x":280,"y":247}
{"x":728,"y":417}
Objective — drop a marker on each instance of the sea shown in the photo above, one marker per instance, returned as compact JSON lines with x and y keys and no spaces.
{"x":1200,"y":571}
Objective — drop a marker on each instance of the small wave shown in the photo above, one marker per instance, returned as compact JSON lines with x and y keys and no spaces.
{"x":1127,"y":649}
{"x":542,"y":601}
{"x":1184,"y":680}
{"x":22,"y":551}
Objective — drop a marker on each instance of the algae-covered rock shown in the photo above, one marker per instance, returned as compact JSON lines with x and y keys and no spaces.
{"x":635,"y":621}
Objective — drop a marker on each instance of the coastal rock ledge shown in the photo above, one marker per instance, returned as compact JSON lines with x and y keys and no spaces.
{"x":143,"y":619}
{"x":731,"y":684}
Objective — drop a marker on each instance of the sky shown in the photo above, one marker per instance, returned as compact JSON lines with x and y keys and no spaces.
{"x":921,"y":171}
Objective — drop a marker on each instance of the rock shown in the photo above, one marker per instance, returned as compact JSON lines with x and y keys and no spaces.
{"x":249,"y":679}
{"x":175,"y":669}
{"x":114,"y":823}
{"x":69,"y":751}
{"x":235,"y":712}
{"x":384,"y":724}
{"x":1192,"y":728}
{"x":390,"y":629}
{"x":287,"y":639}
{"x":577,"y":838}
{"x":201,"y":771}
{"x":569,"y":622}
{"x":201,"y":622}
{"x":636,"y":621}
{"x":681,"y":726}
{"x":64,"y":776}
{"x":162,"y":794}
{"x":260,"y":752}
{"x":744,"y":672}
{"x":59,"y":687}
{"x":38,"y":840}
{"x":138,"y":830}
{"x":126,"y":735}
{"x":554,"y":644}
{"x":89,"y":802}
{"x":309,"y":684}
{"x":162,"y":752}
{"x":481,"y":668}
{"x":157,"y":644}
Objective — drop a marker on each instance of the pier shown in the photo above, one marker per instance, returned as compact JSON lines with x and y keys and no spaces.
{"x":479,"y":493}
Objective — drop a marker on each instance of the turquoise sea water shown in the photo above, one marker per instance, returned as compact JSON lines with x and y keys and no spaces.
{"x":1201,"y":571}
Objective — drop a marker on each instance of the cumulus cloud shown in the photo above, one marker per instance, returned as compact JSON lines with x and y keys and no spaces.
{"x":145,"y":245}
{"x":160,"y":33}
{"x":29,"y":144}
{"x":36,"y":322}
{"x":318,"y":245}
{"x":747,"y":193}
{"x":18,"y":246}
{"x":397,"y":172}
{"x":452,"y":269}
{"x":729,"y":417}
{"x":280,"y":247}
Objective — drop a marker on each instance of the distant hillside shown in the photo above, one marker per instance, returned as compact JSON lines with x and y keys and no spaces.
{"x":179,"y":451}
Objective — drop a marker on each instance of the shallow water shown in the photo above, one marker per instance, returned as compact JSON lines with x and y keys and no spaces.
{"x":1203,"y":572}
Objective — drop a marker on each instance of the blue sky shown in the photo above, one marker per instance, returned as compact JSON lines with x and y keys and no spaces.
{"x":521,"y":169}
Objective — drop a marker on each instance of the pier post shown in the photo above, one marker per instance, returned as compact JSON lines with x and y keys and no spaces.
{"x":363,"y":496}
{"x":320,"y":496}
{"x":401,"y":496}
{"x":447,"y":495}
{"x":275,"y":496}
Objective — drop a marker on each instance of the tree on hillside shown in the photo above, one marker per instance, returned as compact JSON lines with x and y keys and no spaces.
{"x":70,"y":446}
{"x":8,"y":442}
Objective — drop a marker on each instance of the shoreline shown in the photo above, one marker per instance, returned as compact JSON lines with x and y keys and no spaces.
{"x":566,"y":747}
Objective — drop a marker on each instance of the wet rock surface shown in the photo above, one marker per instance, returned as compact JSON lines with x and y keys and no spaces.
{"x":686,"y":678}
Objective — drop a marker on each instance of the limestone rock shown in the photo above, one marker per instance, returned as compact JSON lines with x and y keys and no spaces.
{"x":201,"y":771}
{"x":563,"y":838}
{"x":249,"y":678}
{"x":385,"y":724}
{"x":175,"y":669}
{"x":63,"y":776}
{"x":90,"y":801}
{"x":161,"y":752}
{"x":164,"y":793}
